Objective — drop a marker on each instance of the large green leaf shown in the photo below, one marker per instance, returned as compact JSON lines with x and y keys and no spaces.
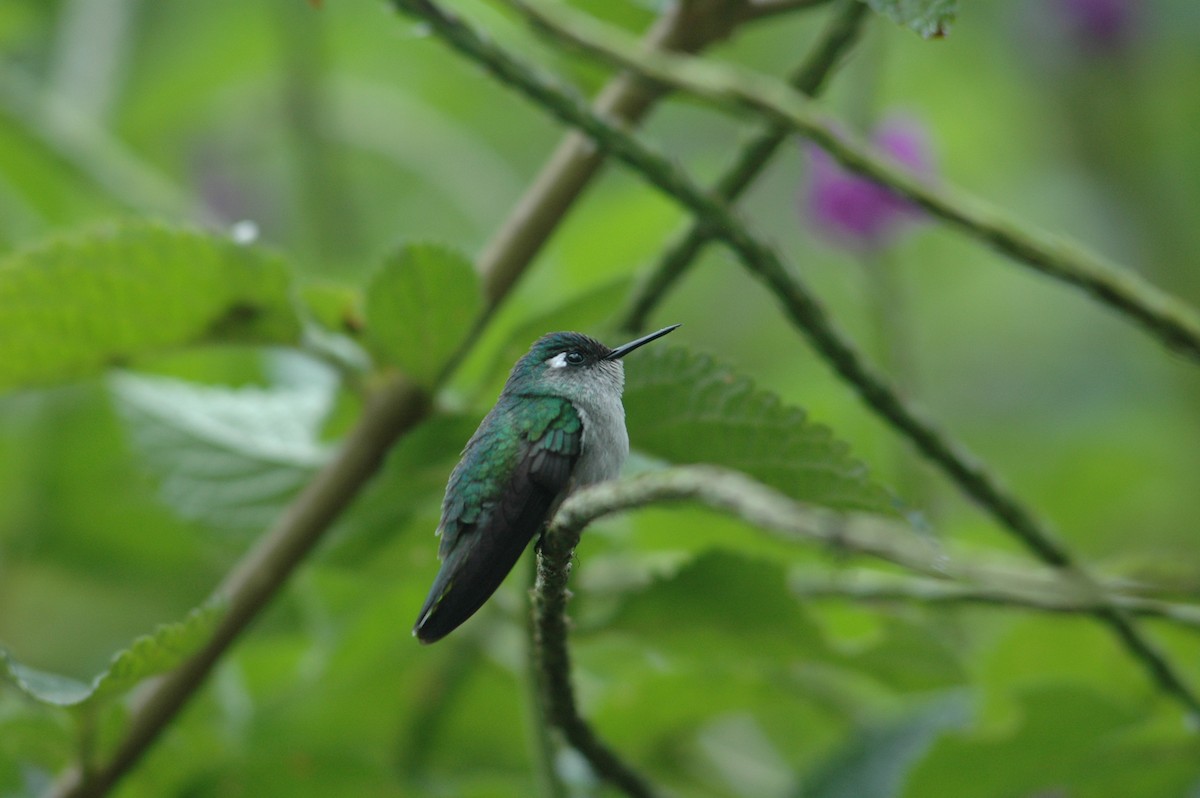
{"x":230,"y":458}
{"x":930,"y":18}
{"x":1065,"y":739}
{"x":168,"y":646}
{"x":685,"y":408}
{"x":420,"y":306}
{"x":78,"y":304}
{"x":717,"y":596}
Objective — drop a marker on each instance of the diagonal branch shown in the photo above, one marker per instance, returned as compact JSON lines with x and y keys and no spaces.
{"x":1036,"y":594}
{"x":1172,"y":321}
{"x":810,"y":79}
{"x":685,"y":27}
{"x":937,"y":578}
{"x":808,"y":314}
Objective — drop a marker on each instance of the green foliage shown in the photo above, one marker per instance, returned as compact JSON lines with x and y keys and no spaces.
{"x":333,"y":306}
{"x":230,"y":458}
{"x":686,"y":408}
{"x":421,"y":305}
{"x":1062,"y":734}
{"x":113,"y":295}
{"x":163,"y":649}
{"x":136,"y":429}
{"x":929,"y":18}
{"x":722,"y":597}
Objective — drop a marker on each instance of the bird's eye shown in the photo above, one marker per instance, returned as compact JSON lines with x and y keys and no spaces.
{"x":575,"y":358}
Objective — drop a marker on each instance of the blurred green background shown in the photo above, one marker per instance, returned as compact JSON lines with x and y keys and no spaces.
{"x":343,"y":130}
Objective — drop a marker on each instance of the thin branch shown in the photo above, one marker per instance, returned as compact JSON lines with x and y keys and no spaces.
{"x":809,"y":78}
{"x":1173,"y":322}
{"x":854,"y":534}
{"x":685,"y":27}
{"x":543,"y":743}
{"x":1056,"y":597}
{"x":735,"y":493}
{"x":553,"y":661}
{"x":804,"y":309}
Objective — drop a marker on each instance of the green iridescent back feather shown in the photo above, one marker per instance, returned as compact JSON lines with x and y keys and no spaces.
{"x":513,"y":430}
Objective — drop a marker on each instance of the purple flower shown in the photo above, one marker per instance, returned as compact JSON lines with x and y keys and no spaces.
{"x":1098,"y":26}
{"x":858,"y":213}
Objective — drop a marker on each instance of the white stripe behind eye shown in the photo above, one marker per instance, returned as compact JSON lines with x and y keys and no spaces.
{"x":559,"y":361}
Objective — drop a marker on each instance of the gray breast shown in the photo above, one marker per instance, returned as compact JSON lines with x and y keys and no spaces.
{"x":605,"y":441}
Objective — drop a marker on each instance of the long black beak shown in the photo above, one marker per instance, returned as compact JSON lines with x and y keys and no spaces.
{"x":624,"y":349}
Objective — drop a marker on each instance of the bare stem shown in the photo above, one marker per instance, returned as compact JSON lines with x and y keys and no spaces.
{"x":553,"y":661}
{"x":1046,"y":596}
{"x":686,"y":27}
{"x":810,"y":78}
{"x":735,"y":493}
{"x":542,"y":741}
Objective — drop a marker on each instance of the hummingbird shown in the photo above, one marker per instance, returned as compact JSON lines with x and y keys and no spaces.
{"x":558,"y":425}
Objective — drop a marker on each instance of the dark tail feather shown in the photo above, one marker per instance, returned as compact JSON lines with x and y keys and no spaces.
{"x":468,"y":577}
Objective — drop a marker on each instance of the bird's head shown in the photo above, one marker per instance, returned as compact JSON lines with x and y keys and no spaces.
{"x":573,"y":365}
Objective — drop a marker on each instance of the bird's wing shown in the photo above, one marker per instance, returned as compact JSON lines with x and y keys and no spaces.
{"x":513,"y":470}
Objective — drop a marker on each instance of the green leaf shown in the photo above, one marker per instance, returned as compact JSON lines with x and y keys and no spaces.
{"x":721,"y":596}
{"x":685,"y":408}
{"x":169,"y":645}
{"x":1064,"y":737}
{"x":78,"y":304}
{"x":335,"y":307}
{"x":230,"y":458}
{"x":43,"y":686}
{"x":929,"y":18}
{"x":420,"y":306}
{"x":910,"y":658}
